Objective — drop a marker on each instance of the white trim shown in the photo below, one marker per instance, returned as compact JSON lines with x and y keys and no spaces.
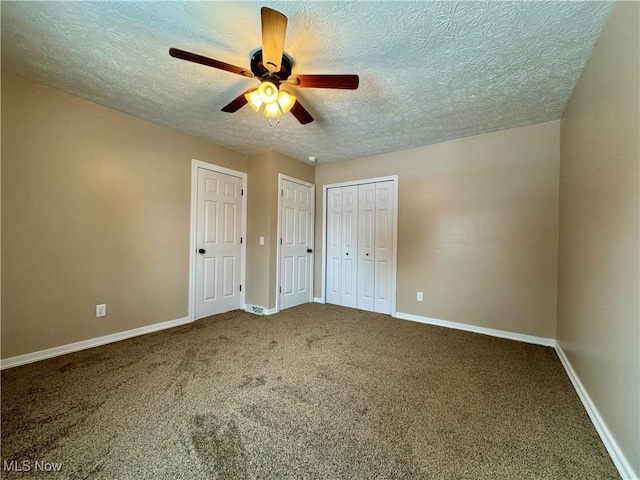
{"x":363,"y":181}
{"x":394,"y":233}
{"x":281,"y":177}
{"x":620,"y":461}
{"x":195,"y":164}
{"x":394,"y":272}
{"x":519,"y":337}
{"x":323,"y":265}
{"x":93,"y":342}
{"x":318,"y":300}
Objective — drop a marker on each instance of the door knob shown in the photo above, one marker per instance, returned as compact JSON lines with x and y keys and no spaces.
{"x":202,"y":251}
{"x":367,"y":254}
{"x":347,"y":253}
{"x":309,"y":250}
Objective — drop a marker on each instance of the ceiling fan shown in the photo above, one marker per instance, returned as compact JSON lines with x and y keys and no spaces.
{"x":272,"y":67}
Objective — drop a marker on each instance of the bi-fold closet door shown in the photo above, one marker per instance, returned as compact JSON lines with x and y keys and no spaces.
{"x":360,"y":246}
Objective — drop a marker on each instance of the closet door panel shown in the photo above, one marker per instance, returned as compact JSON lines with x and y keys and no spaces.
{"x":366,"y":245}
{"x":384,"y":224}
{"x":334,"y":245}
{"x":349,"y":277}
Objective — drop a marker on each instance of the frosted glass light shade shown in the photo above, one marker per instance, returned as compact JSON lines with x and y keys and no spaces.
{"x":272,"y":110}
{"x":268,"y":92}
{"x":253,"y":99}
{"x":285,"y":100}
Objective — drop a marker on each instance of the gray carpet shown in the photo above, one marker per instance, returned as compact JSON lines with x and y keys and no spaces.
{"x":315,"y":392}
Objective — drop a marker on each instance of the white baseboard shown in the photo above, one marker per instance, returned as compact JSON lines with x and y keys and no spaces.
{"x":520,"y":337}
{"x":318,"y":300}
{"x":620,"y":461}
{"x":93,"y":342}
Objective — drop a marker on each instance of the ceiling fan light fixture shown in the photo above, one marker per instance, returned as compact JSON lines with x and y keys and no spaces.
{"x":272,"y":67}
{"x":285,"y":100}
{"x":268,"y":92}
{"x":253,"y":99}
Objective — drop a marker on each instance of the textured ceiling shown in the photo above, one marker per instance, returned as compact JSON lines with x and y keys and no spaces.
{"x":429,"y":71}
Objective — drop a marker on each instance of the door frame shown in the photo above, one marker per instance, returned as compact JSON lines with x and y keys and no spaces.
{"x":281,"y":177}
{"x":195,"y":165}
{"x":394,"y":270}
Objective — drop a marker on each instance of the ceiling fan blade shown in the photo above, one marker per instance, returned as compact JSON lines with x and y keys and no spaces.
{"x":237,"y":103}
{"x":346,"y":82}
{"x":301,"y":113}
{"x":209,"y":62}
{"x":274,"y":30}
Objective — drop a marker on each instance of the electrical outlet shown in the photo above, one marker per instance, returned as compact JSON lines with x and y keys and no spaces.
{"x":261,"y":240}
{"x":101,"y":310}
{"x":420,"y":297}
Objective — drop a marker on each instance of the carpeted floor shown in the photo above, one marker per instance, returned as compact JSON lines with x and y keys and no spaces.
{"x":315,"y":392}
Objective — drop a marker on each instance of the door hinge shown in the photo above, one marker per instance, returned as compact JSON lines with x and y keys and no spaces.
{"x":242,"y":192}
{"x":240,"y":240}
{"x":240,"y":287}
{"x":280,"y":240}
{"x":280,"y":289}
{"x":282,"y":193}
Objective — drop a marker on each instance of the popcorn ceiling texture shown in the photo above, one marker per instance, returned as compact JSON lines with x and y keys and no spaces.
{"x":429,"y":71}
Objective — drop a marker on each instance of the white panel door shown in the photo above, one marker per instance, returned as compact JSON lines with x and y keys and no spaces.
{"x":366,"y":245}
{"x":296,"y":229}
{"x":218,"y":239}
{"x":384,"y":225}
{"x":349,"y":237}
{"x":359,"y":243}
{"x":334,"y":245}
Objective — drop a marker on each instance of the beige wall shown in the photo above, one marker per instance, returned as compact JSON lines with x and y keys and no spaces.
{"x":262,"y":201}
{"x":477,"y":227}
{"x":260,"y":197}
{"x":598,"y":297}
{"x":95,"y":209}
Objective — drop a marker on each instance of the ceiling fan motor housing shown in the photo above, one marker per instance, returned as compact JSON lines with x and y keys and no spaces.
{"x":260,"y":71}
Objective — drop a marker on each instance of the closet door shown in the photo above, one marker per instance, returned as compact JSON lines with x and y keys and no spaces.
{"x":334,"y":245}
{"x":349,"y":263}
{"x":360,"y":226}
{"x":366,"y":245}
{"x":384,"y":224}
